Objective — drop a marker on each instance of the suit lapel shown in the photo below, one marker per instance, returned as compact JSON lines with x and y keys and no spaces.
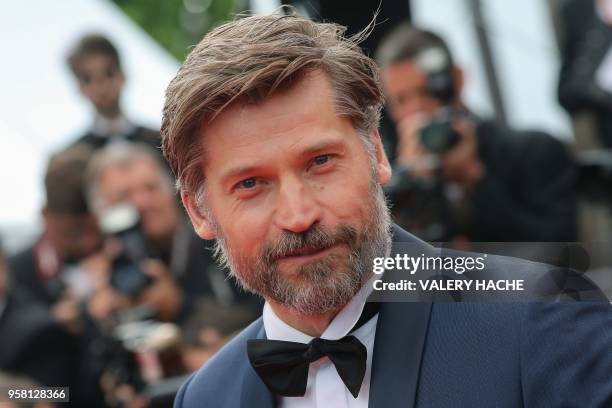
{"x":254,"y":391}
{"x":401,"y":332}
{"x":398,"y":348}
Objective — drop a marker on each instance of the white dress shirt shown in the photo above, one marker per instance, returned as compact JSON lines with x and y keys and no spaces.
{"x":113,"y":128}
{"x":325,"y":387}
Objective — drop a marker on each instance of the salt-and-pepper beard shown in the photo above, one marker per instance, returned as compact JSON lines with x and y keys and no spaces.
{"x":320,"y":286}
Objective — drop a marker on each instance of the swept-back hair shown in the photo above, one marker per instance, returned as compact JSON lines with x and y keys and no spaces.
{"x":247,"y":60}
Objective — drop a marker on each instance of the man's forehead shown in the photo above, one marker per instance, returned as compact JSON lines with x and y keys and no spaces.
{"x":96,"y":57}
{"x":93,"y":62}
{"x":140,"y":162}
{"x":403,"y":68}
{"x":314,"y":85}
{"x":305,"y":108}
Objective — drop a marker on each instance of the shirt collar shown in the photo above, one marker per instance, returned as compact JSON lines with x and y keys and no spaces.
{"x":109,"y":127}
{"x":340,"y":326}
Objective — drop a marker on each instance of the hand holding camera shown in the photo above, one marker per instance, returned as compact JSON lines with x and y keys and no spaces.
{"x":132,"y":278}
{"x":444,"y":145}
{"x":461,"y":163}
{"x":411,"y":154}
{"x":163,"y":295}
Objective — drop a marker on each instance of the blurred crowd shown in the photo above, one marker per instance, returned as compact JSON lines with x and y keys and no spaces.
{"x":119,"y":299}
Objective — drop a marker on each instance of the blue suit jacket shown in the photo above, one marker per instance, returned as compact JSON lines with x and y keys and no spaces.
{"x":452,"y":355}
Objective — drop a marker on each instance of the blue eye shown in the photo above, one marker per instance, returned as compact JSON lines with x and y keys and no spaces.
{"x":247,"y":183}
{"x":320,"y":160}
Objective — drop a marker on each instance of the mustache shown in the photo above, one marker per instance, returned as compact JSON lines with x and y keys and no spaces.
{"x":316,"y":238}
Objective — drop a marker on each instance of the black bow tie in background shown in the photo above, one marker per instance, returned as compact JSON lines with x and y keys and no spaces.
{"x":283,"y":365}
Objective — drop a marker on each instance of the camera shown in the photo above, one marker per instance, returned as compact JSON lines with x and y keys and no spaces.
{"x":438,"y":135}
{"x":122,"y":222}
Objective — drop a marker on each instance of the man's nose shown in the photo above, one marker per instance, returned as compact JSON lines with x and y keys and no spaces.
{"x":297,"y":209}
{"x":100,"y":84}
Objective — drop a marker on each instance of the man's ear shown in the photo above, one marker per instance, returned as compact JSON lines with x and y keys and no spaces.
{"x":382,"y":162}
{"x":201,"y":224}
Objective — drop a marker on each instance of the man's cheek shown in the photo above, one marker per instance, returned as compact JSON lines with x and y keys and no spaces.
{"x":245,"y":238}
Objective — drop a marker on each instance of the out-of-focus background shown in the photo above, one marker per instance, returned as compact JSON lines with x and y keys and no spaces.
{"x":105,"y":288}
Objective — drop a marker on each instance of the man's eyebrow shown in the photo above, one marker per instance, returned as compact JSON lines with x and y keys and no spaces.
{"x":321,"y":147}
{"x":237,"y":171}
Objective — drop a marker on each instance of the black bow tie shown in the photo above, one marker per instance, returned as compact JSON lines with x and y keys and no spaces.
{"x":283,"y":365}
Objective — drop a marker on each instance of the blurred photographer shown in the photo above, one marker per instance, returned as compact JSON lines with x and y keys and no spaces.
{"x":459,"y":177}
{"x":64,"y":267}
{"x":153,"y":267}
{"x":158,"y":261}
{"x":52,"y":268}
{"x":32,"y":343}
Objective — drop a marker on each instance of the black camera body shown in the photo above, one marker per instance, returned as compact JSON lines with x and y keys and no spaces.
{"x":122,"y":223}
{"x":438,"y":135}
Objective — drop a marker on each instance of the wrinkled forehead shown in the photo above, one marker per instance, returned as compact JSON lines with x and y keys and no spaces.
{"x":301,"y":111}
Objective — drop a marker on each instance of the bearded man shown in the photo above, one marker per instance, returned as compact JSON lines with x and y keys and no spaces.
{"x":270,"y":127}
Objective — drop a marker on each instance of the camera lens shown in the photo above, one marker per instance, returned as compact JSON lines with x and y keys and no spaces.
{"x":438,"y":136}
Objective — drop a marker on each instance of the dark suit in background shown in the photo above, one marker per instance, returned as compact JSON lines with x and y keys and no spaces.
{"x":585,"y":39}
{"x":139,"y":134}
{"x":44,"y":287}
{"x":33,"y":344}
{"x":528,"y":191}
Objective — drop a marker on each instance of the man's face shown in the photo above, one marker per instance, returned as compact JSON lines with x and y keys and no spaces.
{"x":101,"y":81}
{"x":74,"y":236}
{"x":294,"y":198}
{"x":144,"y":185}
{"x":405,"y":85}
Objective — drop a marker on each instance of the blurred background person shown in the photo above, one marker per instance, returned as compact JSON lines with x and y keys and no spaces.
{"x":157,"y":269}
{"x":12,"y":382}
{"x":585,"y":79}
{"x":88,"y":283}
{"x":50,"y":269}
{"x":32,"y":343}
{"x":128,"y":181}
{"x":64,"y":267}
{"x":208,"y":329}
{"x":96,"y":65}
{"x":459,"y":177}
